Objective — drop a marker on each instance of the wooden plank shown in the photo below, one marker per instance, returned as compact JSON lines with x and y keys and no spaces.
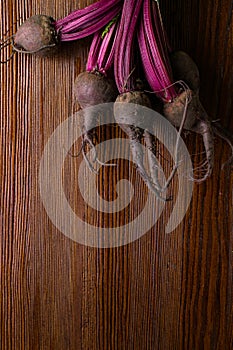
{"x":163,"y":291}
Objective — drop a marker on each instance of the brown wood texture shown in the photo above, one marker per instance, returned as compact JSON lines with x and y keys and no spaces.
{"x":163,"y":291}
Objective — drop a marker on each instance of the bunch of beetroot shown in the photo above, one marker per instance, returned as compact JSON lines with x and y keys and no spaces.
{"x":129,"y":55}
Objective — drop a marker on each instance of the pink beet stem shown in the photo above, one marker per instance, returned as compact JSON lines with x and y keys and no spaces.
{"x":124,"y":52}
{"x":96,"y":6}
{"x":87,"y":21}
{"x":102,"y":50}
{"x":94,"y":52}
{"x":154,"y":52}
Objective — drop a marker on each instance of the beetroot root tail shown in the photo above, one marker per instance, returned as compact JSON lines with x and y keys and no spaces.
{"x":224,"y":134}
{"x":135,"y":136}
{"x":88,"y":141}
{"x":153,"y":164}
{"x":204,"y":128}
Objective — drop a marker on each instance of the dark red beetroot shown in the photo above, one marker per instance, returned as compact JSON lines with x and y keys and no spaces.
{"x":135,"y":135}
{"x":40,"y":33}
{"x":35,"y":34}
{"x":126,"y":79}
{"x":165,"y":73}
{"x":185,"y":69}
{"x":196,"y":118}
{"x":93,"y":88}
{"x":174,"y":110}
{"x":137,"y":97}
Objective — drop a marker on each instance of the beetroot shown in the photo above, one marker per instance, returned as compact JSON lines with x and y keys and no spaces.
{"x":35,"y":34}
{"x":126,"y":75}
{"x":40,"y":33}
{"x":196,"y":118}
{"x":174,"y":78}
{"x":93,"y":88}
{"x":185,"y":69}
{"x":174,"y":110}
{"x":135,"y":134}
{"x":137,"y":97}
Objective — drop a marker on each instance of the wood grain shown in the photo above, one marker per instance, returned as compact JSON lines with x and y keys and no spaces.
{"x":163,"y":291}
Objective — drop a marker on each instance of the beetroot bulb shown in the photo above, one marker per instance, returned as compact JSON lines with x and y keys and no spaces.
{"x":197,"y":119}
{"x":125,"y":70}
{"x":164,"y":72}
{"x":94,"y":87}
{"x":41,"y":33}
{"x":153,"y":47}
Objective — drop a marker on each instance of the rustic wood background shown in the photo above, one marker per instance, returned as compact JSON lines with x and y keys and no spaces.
{"x":160,"y":292}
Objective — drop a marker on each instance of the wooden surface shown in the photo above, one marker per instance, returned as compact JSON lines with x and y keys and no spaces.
{"x":160,"y":292}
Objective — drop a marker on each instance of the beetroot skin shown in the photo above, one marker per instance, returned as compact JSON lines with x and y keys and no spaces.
{"x":36,"y":34}
{"x":185,"y":69}
{"x":93,"y":88}
{"x":135,"y":135}
{"x":137,"y":97}
{"x":174,"y":110}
